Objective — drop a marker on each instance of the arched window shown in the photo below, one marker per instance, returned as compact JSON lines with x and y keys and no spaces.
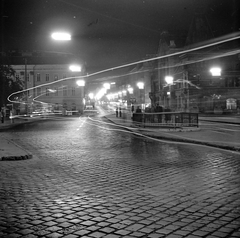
{"x":231,"y":103}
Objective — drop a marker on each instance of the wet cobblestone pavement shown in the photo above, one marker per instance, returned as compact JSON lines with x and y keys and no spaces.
{"x":89,"y":180}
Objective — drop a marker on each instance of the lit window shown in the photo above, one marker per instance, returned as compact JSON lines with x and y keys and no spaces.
{"x":231,"y":103}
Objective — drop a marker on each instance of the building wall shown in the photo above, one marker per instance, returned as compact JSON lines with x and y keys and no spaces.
{"x":50,"y":86}
{"x":214,"y":92}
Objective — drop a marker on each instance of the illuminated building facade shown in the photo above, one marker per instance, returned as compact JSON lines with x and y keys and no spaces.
{"x":51,"y":87}
{"x":194,"y":88}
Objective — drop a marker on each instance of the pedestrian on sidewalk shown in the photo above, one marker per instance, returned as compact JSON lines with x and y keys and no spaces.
{"x":120,"y":112}
{"x":132,"y":111}
{"x":138,"y":110}
{"x":116,"y":111}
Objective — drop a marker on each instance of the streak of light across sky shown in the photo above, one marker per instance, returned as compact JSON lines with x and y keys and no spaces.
{"x":232,"y":37}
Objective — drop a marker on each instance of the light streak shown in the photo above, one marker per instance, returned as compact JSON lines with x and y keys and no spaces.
{"x":225,"y":54}
{"x":82,"y":123}
{"x":129,"y":130}
{"x":166,"y":56}
{"x":232,"y":37}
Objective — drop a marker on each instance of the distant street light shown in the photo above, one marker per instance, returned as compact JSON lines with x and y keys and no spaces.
{"x":80,"y":83}
{"x":75,"y":68}
{"x":124,"y":92}
{"x":90,"y":95}
{"x":130,"y":90}
{"x":140,"y":85}
{"x":61,"y":36}
{"x":106,"y":85}
{"x":169,"y":80}
{"x":216,"y":71}
{"x":52,"y":90}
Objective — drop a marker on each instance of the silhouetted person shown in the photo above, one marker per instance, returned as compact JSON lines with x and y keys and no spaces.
{"x":132,"y":108}
{"x":138,"y":110}
{"x":116,"y":111}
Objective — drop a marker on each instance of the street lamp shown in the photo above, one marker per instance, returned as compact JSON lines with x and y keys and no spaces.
{"x":216,"y":71}
{"x":140,"y":85}
{"x":80,"y":83}
{"x":75,"y":68}
{"x":169,"y":81}
{"x":106,"y":85}
{"x":61,"y":36}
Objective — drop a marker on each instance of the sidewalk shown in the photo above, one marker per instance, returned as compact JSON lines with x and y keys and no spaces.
{"x":8,"y":149}
{"x":230,"y":141}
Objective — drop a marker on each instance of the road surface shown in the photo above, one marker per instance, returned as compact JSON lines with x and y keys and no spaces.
{"x":89,"y":178}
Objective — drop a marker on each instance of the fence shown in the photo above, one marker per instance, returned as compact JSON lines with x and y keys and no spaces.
{"x":166,"y":119}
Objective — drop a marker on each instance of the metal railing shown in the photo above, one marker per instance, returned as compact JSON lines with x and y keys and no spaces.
{"x":166,"y":119}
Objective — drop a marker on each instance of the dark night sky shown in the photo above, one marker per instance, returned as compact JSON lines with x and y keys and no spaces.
{"x":108,"y":33}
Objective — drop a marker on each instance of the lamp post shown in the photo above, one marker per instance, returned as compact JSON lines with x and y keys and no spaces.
{"x":25,"y":84}
{"x":81,"y":84}
{"x":169,"y":81}
{"x":130,"y":99}
{"x":215,"y":72}
{"x":141,"y":93}
{"x":65,"y":36}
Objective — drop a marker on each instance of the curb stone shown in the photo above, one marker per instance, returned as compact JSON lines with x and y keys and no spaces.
{"x":225,"y":122}
{"x":11,"y":158}
{"x":225,"y":147}
{"x":26,"y":156}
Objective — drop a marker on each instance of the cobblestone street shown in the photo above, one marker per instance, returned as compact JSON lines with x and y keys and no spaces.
{"x":87,"y":179}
